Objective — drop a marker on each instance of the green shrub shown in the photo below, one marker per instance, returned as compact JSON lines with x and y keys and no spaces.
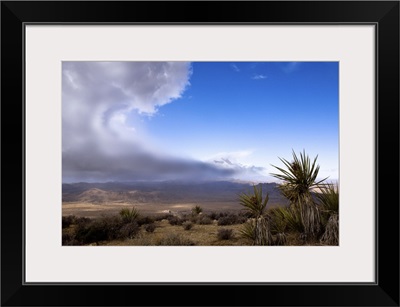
{"x":89,"y":233}
{"x":174,"y":220}
{"x":225,"y":234}
{"x":68,"y":220}
{"x":69,"y":239}
{"x":150,"y":227}
{"x":173,"y":239}
{"x":231,"y":219}
{"x":187,"y":225}
{"x":145,"y":220}
{"x":205,"y":220}
{"x":213,"y":215}
{"x":102,"y":229}
{"x":128,"y":231}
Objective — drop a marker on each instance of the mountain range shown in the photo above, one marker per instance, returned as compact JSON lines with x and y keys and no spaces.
{"x":165,"y":192}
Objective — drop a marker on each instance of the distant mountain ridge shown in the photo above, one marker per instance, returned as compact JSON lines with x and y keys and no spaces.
{"x":165,"y":192}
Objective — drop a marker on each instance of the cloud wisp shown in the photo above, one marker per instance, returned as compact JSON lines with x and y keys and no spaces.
{"x":235,"y":67}
{"x":259,"y":77}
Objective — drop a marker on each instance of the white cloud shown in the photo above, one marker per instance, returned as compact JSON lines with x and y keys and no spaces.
{"x":259,"y":77}
{"x":290,"y":67}
{"x":102,"y":135}
{"x":235,"y":67}
{"x":234,"y":161}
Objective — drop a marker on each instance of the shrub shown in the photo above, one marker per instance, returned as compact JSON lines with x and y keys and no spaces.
{"x":128,"y":231}
{"x":68,"y":220}
{"x":128,"y":216}
{"x":150,"y":227}
{"x":145,"y":220}
{"x":213,"y":216}
{"x":194,"y":218}
{"x":187,"y":225}
{"x":205,"y":220}
{"x":225,"y":234}
{"x":174,"y":220}
{"x":162,"y":217}
{"x":82,"y":221}
{"x":231,"y":219}
{"x":89,"y":233}
{"x":173,"y":239}
{"x":68,"y":239}
{"x":106,"y":228}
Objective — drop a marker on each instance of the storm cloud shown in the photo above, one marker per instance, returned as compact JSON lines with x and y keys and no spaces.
{"x":103,"y":138}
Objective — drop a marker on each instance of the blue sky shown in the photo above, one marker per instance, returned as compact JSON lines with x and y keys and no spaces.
{"x":233,"y":117}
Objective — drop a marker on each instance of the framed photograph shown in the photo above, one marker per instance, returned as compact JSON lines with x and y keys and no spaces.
{"x":146,"y":150}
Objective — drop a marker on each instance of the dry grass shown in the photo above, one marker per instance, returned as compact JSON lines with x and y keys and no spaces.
{"x":92,"y":210}
{"x":200,"y":235}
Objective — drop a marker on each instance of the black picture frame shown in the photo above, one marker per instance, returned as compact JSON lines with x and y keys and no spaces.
{"x":383,"y":14}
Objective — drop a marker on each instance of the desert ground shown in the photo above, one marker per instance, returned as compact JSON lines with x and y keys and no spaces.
{"x":92,"y":210}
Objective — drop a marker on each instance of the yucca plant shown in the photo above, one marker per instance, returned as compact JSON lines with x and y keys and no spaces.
{"x":328,"y":198}
{"x":256,"y":206}
{"x":129,"y":216}
{"x":254,"y":203}
{"x":298,"y":180}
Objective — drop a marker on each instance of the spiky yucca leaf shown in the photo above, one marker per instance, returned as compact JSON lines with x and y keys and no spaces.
{"x":248,"y":230}
{"x":299,"y":177}
{"x":254,"y":203}
{"x":286,"y":219}
{"x":329,"y":197}
{"x":129,"y":216}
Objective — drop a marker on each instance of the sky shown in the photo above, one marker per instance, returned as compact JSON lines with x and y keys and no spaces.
{"x":128,"y":121}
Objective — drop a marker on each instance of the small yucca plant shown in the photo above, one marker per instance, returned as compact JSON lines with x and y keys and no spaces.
{"x":329,"y":201}
{"x":129,"y":216}
{"x":256,"y":206}
{"x":196,"y":210}
{"x":254,"y":203}
{"x":329,"y":197}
